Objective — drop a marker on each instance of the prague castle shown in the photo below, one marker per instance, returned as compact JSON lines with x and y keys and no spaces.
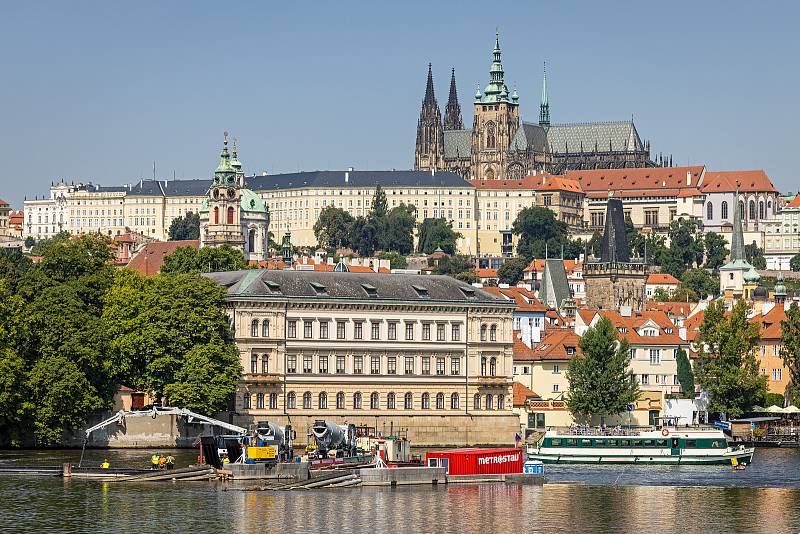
{"x":502,"y":146}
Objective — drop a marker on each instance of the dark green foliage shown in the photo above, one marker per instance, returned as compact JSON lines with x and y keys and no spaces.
{"x":467,"y":276}
{"x":437,"y":233}
{"x":29,"y":242}
{"x":600,"y":382}
{"x":41,"y":246}
{"x":701,"y":282}
{"x":365,"y":235}
{"x":396,"y":261}
{"x":727,"y":367}
{"x":686,"y":242}
{"x":379,"y":205}
{"x":206,"y":260}
{"x":773,"y":399}
{"x":511,"y":271}
{"x":185,"y":227}
{"x":685,"y":374}
{"x":13,"y":265}
{"x":453,"y":265}
{"x":671,"y":262}
{"x":794,"y":263}
{"x":755,"y":256}
{"x":537,"y":228}
{"x":333,"y":227}
{"x":595,"y":244}
{"x":790,"y":349}
{"x":716,"y":250}
{"x":398,"y":235}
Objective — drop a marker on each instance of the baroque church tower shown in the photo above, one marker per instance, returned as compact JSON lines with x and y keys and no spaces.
{"x":452,"y":113}
{"x":429,"y":153}
{"x":224,"y":203}
{"x":496,"y":121}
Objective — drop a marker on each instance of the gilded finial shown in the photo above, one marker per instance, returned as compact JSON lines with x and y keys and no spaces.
{"x":225,"y":138}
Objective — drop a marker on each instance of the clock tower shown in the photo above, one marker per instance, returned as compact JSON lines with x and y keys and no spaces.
{"x":224,"y":204}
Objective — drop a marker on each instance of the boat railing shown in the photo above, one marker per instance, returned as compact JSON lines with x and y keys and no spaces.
{"x":584,"y":430}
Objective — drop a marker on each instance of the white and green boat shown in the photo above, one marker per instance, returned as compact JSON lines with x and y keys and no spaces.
{"x":665,"y":446}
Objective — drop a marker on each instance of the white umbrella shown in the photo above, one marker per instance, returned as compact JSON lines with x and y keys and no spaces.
{"x":791,"y":409}
{"x":758,"y":409}
{"x":775,"y":409}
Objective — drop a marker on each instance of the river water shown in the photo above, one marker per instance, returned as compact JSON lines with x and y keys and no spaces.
{"x":625,"y":499}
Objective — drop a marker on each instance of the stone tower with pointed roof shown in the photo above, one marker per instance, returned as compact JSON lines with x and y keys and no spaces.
{"x":429,"y":154}
{"x":544,"y":107}
{"x":232,"y":214}
{"x":737,"y":273}
{"x":495,"y":123}
{"x":452,"y":112}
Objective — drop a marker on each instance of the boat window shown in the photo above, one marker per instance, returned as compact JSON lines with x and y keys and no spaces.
{"x":691,"y":443}
{"x":571,"y":442}
{"x":600,"y":442}
{"x":612,"y":443}
{"x":716,"y":443}
{"x":647,"y":443}
{"x":625,"y":442}
{"x":555,"y":442}
{"x":586,"y":442}
{"x":661,"y":443}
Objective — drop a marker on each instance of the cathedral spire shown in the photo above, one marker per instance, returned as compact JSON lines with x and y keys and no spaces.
{"x":496,"y":91}
{"x":737,"y":238}
{"x":429,"y":152}
{"x":544,"y":108}
{"x":452,"y":113}
{"x":430,"y":96}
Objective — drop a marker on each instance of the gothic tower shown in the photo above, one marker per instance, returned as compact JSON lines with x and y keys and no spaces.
{"x":496,"y":121}
{"x":544,"y":107}
{"x":224,"y":203}
{"x":429,"y":153}
{"x":452,"y":113}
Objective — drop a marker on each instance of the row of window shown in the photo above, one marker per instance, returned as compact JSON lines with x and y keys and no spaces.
{"x":261,"y":328}
{"x":389,"y":402}
{"x":751,"y":209}
{"x":375,"y":363}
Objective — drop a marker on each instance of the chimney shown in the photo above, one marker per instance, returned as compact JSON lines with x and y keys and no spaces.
{"x":347,"y":176}
{"x":626,"y":311}
{"x":688,"y":178}
{"x":682,"y":333}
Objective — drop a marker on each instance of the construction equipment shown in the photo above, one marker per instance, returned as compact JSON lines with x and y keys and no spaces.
{"x":333,"y":439}
{"x":271,"y":443}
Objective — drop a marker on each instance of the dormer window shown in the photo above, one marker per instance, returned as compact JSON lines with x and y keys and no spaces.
{"x":623,"y":330}
{"x":372,"y":291}
{"x":422,"y":292}
{"x":319,"y":289}
{"x":468,"y":291}
{"x":273,"y":286}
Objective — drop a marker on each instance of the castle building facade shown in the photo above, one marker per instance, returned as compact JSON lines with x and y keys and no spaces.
{"x":502,"y":146}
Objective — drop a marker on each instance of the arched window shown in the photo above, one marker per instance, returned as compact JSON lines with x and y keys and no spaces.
{"x":323,"y":400}
{"x":490,"y":137}
{"x":741,"y":209}
{"x":489,"y":402}
{"x":483,"y":365}
{"x":769,"y":204}
{"x":476,"y":402}
{"x":254,"y":328}
{"x":752,"y":210}
{"x":260,"y":401}
{"x":246,"y":400}
{"x":390,"y":401}
{"x":489,"y":174}
{"x":408,"y":401}
{"x":493,"y":333}
{"x":454,"y":401}
{"x":340,"y":400}
{"x":251,"y":240}
{"x":493,"y":366}
{"x":265,"y":363}
{"x":291,"y":401}
{"x":265,"y":328}
{"x":426,"y":401}
{"x":216,"y":214}
{"x":501,"y":402}
{"x":273,"y":401}
{"x":709,"y":211}
{"x":440,"y":401}
{"x":307,"y":400}
{"x":762,"y":212}
{"x":483,"y":332}
{"x":230,"y":214}
{"x":374,"y":401}
{"x":724,"y":210}
{"x":357,"y":400}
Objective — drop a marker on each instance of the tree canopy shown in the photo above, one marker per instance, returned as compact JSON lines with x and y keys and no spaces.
{"x":716,"y":250}
{"x":538,"y":228}
{"x":333,"y":226}
{"x":601,"y":382}
{"x":790,"y":349}
{"x":755,"y":255}
{"x":727,"y":367}
{"x":206,"y":260}
{"x":685,"y":374}
{"x":701,"y":282}
{"x":511,"y":271}
{"x":437,"y":233}
{"x":185,"y":227}
{"x":794,"y":263}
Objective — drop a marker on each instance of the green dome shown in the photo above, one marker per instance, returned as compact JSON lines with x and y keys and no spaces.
{"x":780,"y":289}
{"x":252,"y":203}
{"x":751,"y":276}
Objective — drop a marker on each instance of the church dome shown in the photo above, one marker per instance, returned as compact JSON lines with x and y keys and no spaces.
{"x":760,"y":293}
{"x":251,"y":202}
{"x":751,"y":276}
{"x":780,"y":289}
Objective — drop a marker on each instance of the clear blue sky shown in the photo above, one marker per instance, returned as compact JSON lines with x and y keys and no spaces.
{"x":98,"y":90}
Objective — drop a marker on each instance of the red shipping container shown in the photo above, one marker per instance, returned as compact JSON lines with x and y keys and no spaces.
{"x":477,"y":461}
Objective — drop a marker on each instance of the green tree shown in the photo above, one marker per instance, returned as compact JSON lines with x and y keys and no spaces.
{"x":601,"y":382}
{"x":206,"y":260}
{"x":13,"y":394}
{"x":29,"y":242}
{"x":396,"y":261}
{"x":686,"y":239}
{"x":399,"y":231}
{"x":794,"y":263}
{"x":185,"y":227}
{"x":379,"y":204}
{"x":511,"y":271}
{"x":671,"y":261}
{"x":365,"y":235}
{"x":467,"y":276}
{"x":437,"y":233}
{"x":755,"y":255}
{"x":701,"y":282}
{"x":13,"y":265}
{"x":453,"y":265}
{"x":685,"y":374}
{"x":333,"y":227}
{"x":595,"y":244}
{"x":790,"y":349}
{"x":40,"y":246}
{"x":727,"y":367}
{"x":716,"y":250}
{"x":536,"y":227}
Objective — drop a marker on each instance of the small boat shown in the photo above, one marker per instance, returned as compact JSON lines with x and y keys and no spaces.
{"x":664,"y":446}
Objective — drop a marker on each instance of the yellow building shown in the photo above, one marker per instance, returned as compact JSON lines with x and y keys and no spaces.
{"x":428,"y":354}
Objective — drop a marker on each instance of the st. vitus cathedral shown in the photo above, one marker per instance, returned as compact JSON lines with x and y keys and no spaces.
{"x":500,"y":145}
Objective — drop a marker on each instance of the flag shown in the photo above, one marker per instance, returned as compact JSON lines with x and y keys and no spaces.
{"x":517,"y":440}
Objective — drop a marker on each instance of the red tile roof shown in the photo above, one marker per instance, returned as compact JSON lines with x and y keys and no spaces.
{"x":525,"y":300}
{"x":4,"y":204}
{"x":663,"y":180}
{"x":528,"y":182}
{"x":662,"y":278}
{"x":16,"y":218}
{"x":559,"y":183}
{"x":725,"y":182}
{"x":149,"y":260}
{"x":676,"y":309}
{"x":769,"y":324}
{"x":486,"y":273}
{"x":522,"y":393}
{"x":795,"y":202}
{"x":553,"y":346}
{"x":570,"y":266}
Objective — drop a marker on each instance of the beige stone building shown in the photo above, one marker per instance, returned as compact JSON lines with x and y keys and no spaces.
{"x":564,"y":197}
{"x":498,"y":202}
{"x":5,"y":225}
{"x":428,"y":354}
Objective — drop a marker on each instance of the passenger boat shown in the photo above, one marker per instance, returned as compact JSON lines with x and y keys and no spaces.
{"x":665,"y":446}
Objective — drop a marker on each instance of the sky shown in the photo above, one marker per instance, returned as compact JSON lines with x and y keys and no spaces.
{"x":98,"y":91}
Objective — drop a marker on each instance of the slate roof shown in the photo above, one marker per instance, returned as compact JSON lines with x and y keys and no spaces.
{"x":146,"y":188}
{"x":554,"y":289}
{"x":530,"y":135}
{"x":457,"y":144}
{"x":364,"y":179}
{"x":622,"y":136}
{"x":187,"y":188}
{"x":352,"y":286}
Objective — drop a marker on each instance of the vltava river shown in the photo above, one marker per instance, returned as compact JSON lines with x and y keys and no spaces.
{"x":764,"y":498}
